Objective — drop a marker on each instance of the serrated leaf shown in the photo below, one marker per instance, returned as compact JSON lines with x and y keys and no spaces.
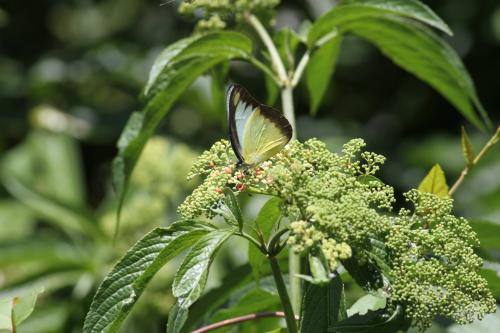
{"x":122,"y":287}
{"x":467,"y":149}
{"x":358,"y":10}
{"x":424,"y":54}
{"x":14,"y":310}
{"x":191,"y":277}
{"x":319,"y":70}
{"x":322,"y":306}
{"x":173,"y":72}
{"x":370,"y":302}
{"x":435,"y":182}
{"x":265,"y":221}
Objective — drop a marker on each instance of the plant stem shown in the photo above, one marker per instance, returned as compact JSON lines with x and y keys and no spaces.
{"x":285,"y":300}
{"x":288,"y":109}
{"x":268,"y":42}
{"x":238,"y":320}
{"x":300,"y":68}
{"x":493,"y":140}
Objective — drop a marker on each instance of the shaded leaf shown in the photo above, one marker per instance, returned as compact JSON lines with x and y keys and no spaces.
{"x":320,"y":69}
{"x":14,"y":310}
{"x":265,"y":221}
{"x":358,"y":10}
{"x":491,"y":272}
{"x":322,"y":306}
{"x":172,"y":73}
{"x":435,"y":182}
{"x":374,"y":322}
{"x":467,"y":149}
{"x":125,"y":283}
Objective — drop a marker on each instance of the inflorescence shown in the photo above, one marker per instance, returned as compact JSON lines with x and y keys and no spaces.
{"x":337,"y":207}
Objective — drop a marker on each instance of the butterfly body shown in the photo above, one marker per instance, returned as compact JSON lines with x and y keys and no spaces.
{"x":257,"y":131}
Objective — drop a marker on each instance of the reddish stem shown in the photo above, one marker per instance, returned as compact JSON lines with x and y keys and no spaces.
{"x":240,"y":319}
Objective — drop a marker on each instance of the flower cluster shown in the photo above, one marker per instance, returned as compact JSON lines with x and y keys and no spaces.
{"x":213,"y":14}
{"x":338,"y":209}
{"x":434,"y":268}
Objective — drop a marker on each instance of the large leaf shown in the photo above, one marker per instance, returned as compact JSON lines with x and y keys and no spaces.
{"x":358,"y":10}
{"x":14,"y":310}
{"x":424,"y":54}
{"x":373,"y":322}
{"x":319,"y":70}
{"x":172,"y":73}
{"x":191,"y":277}
{"x":435,"y":182}
{"x":323,"y":306}
{"x":266,"y":220}
{"x":125,"y":283}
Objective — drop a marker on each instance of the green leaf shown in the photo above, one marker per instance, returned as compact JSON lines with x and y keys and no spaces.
{"x":191,"y":277}
{"x":370,"y":180}
{"x":424,"y":54}
{"x":488,"y":234}
{"x":374,"y":322}
{"x":172,"y":73}
{"x":467,"y":149}
{"x":254,"y":301}
{"x":125,"y":283}
{"x":230,"y":209}
{"x":266,"y":220}
{"x":319,"y":269}
{"x":370,"y":302}
{"x":358,"y":10}
{"x":492,"y":276}
{"x":322,"y":306}
{"x":14,"y":310}
{"x":435,"y":182}
{"x":320,"y":69}
{"x":287,"y":42}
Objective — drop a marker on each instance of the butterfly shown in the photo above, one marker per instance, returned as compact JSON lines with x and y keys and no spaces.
{"x":257,"y":131}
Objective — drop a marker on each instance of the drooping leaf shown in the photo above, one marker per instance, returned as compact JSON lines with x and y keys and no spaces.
{"x":320,"y":69}
{"x":266,"y":220}
{"x":435,"y":182}
{"x":358,"y":10}
{"x":322,"y":306}
{"x":14,"y":310}
{"x":370,"y":302}
{"x":191,"y":277}
{"x":421,"y":52}
{"x":172,"y":73}
{"x":125,"y":283}
{"x":467,"y":149}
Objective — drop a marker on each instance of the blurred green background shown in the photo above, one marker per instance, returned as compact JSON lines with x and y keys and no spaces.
{"x":70,"y":75}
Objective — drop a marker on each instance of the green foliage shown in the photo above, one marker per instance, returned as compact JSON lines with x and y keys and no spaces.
{"x":14,"y":310}
{"x":435,"y":182}
{"x":323,"y":306}
{"x":172,"y":73}
{"x":467,"y":149}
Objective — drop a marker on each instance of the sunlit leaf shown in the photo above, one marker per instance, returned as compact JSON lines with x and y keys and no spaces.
{"x":320,"y":69}
{"x":172,"y":73}
{"x":125,"y":283}
{"x":358,"y":10}
{"x":191,"y":277}
{"x":467,"y":149}
{"x":14,"y":310}
{"x":435,"y":182}
{"x":370,"y":302}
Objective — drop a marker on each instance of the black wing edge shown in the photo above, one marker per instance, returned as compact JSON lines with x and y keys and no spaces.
{"x":269,"y":112}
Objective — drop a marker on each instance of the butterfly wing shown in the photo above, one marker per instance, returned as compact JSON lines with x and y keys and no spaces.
{"x":257,"y":131}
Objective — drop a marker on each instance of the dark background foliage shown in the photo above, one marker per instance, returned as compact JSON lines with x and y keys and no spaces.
{"x":89,"y":60}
